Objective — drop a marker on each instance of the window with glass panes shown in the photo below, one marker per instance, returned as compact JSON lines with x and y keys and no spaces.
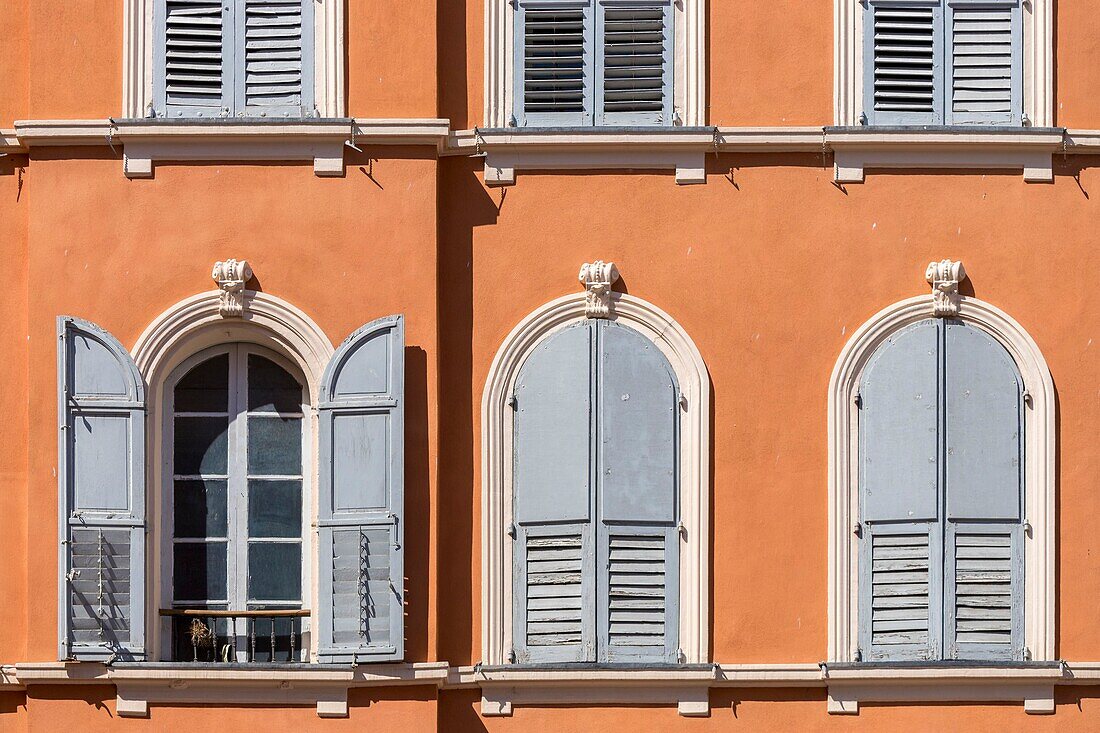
{"x":237,"y":500}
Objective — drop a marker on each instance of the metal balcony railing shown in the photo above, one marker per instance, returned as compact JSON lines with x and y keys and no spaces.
{"x":270,"y":636}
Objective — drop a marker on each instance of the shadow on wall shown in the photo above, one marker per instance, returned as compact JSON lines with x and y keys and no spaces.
{"x":467,"y":205}
{"x":417,"y":504}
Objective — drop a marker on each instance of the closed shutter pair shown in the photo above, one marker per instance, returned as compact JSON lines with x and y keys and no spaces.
{"x":602,"y":62}
{"x":941,"y":490}
{"x":943,"y":62}
{"x":596,"y":546}
{"x":233,"y":58}
{"x":102,"y":487}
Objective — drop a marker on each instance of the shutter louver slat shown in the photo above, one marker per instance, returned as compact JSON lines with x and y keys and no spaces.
{"x":553,"y":60}
{"x":904,"y":59}
{"x":900,"y":579}
{"x":101,"y":586}
{"x":983,"y":588}
{"x":273,"y":35}
{"x":982,"y":48}
{"x":634,"y":59}
{"x":637,"y":589}
{"x":193,"y":53}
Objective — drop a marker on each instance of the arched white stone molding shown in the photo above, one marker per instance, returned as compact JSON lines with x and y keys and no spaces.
{"x":496,"y":465}
{"x":1039,"y":436}
{"x":185,"y":329}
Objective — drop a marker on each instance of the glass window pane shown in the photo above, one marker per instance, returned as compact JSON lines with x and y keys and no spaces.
{"x":275,"y":446}
{"x":274,"y":571}
{"x":200,"y":508}
{"x":271,"y":388}
{"x":201,"y":445}
{"x":274,"y":508}
{"x":205,"y":388}
{"x":199,"y":571}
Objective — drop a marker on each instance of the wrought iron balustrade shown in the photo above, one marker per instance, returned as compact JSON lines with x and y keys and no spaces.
{"x":271,"y":636}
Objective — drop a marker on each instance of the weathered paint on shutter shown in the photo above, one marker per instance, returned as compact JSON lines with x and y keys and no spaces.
{"x":634,"y":53}
{"x":903,"y":61}
{"x":637,"y":453}
{"x":900,"y":557}
{"x":192,"y":69}
{"x":553,"y":563}
{"x":101,"y":496}
{"x":552,"y":62}
{"x":985,"y":63}
{"x":985,"y":593}
{"x":361,"y":497}
{"x":275,"y":70}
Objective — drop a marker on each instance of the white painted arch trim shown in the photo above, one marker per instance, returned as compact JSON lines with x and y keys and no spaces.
{"x":689,"y":84}
{"x":137,"y":54}
{"x":1038,"y":61}
{"x":496,"y":466}
{"x":185,"y":329}
{"x":1039,"y":437}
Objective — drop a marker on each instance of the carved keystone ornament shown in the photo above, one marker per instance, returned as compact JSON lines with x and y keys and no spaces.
{"x":944,"y":277}
{"x":597,"y":278}
{"x":231,"y":275}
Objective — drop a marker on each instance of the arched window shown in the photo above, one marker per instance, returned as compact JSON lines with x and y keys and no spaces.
{"x":941,"y":468}
{"x":595,"y":467}
{"x":235,"y":508}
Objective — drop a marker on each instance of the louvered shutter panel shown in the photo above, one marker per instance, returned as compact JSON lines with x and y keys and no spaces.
{"x":553,"y":561}
{"x":634,"y":52}
{"x":984,"y":453}
{"x":553,"y":63}
{"x":361,"y":497}
{"x":985,"y":63}
{"x":101,"y":492}
{"x":637,"y":452}
{"x":275,"y":69}
{"x":192,"y":60}
{"x":900,"y":555}
{"x":903,"y":62}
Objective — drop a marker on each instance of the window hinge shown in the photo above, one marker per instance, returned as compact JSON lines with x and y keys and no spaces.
{"x":857,"y":529}
{"x":1026,"y":395}
{"x":683,"y":401}
{"x":858,"y":656}
{"x":511,"y":656}
{"x":859,"y":401}
{"x":512,"y":121}
{"x":1028,"y":528}
{"x":512,"y":402}
{"x":681,"y":658}
{"x":512,"y":530}
{"x":863,"y":118}
{"x":681,"y":529}
{"x":1027,"y":654}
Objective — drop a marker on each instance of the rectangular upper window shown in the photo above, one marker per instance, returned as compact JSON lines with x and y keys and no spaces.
{"x":593,"y":62}
{"x":233,"y":58}
{"x":943,"y":62}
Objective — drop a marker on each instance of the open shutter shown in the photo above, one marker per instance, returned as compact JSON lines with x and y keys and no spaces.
{"x":637,"y":455}
{"x":900,"y":555}
{"x":361,"y":499}
{"x":192,"y":63}
{"x":984,"y":454}
{"x":634,"y":53}
{"x":985,"y":63}
{"x":101,"y":493}
{"x":553,"y":563}
{"x":553,"y":63}
{"x":903,"y":62}
{"x":276,"y":42}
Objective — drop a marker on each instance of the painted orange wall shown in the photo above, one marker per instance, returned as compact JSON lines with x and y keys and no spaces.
{"x":13,"y":62}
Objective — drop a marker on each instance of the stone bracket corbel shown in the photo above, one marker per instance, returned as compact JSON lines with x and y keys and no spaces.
{"x":231,"y":276}
{"x":597,"y":278}
{"x":944,"y":277}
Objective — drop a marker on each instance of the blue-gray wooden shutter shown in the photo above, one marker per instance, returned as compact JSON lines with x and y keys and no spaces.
{"x":984,"y":77}
{"x":637,"y":458}
{"x":552,"y":62}
{"x":634,"y":67}
{"x":192,"y":58}
{"x":274,"y":42}
{"x":101,"y":496}
{"x":903,"y":62}
{"x":900,"y":546}
{"x":984,"y":470}
{"x":553,"y":564}
{"x":361,"y":498}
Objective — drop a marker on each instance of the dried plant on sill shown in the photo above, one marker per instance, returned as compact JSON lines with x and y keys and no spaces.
{"x":201,"y":635}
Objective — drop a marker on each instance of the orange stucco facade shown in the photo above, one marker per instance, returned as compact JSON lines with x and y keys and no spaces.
{"x":769,"y":267}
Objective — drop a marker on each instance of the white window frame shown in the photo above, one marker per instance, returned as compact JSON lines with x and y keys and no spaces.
{"x":496,"y":466}
{"x":190,"y":326}
{"x":1038,"y":52}
{"x":238,"y":534}
{"x":689,"y":75}
{"x":328,"y":58}
{"x":1039,"y":457}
